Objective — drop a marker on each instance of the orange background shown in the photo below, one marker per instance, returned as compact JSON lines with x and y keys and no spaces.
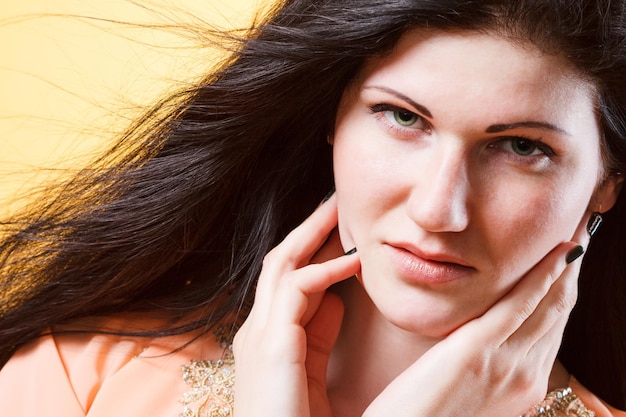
{"x":72,"y":74}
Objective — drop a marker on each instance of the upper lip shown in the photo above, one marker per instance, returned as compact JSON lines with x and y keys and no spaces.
{"x":431,"y":256}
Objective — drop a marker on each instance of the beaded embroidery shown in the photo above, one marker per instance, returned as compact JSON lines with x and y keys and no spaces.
{"x":560,"y":403}
{"x":212,"y":389}
{"x":212,"y":384}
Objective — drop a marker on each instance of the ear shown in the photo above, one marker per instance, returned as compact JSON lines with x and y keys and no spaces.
{"x":607,"y":192}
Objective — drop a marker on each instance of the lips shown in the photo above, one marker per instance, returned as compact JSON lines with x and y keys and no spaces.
{"x":418,"y":267}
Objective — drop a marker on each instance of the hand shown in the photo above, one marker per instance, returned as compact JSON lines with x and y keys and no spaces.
{"x":497,"y":364}
{"x":282,"y":349}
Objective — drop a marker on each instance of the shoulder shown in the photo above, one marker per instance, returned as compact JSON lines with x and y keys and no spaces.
{"x":101,"y":374}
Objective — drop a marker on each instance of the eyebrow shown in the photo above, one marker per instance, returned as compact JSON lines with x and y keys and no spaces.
{"x":491,"y":129}
{"x":401,"y":96}
{"x":531,"y":124}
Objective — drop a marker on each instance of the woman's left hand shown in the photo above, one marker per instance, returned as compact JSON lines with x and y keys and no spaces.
{"x":499,"y":363}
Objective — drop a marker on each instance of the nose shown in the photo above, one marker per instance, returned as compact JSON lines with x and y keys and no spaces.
{"x":439,"y":200}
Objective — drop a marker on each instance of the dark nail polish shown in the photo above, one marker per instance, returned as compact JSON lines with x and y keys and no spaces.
{"x":350,"y":252}
{"x":594,"y":223}
{"x":329,"y":195}
{"x":574,"y":254}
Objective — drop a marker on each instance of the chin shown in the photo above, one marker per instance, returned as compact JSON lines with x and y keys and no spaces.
{"x":432,"y":320}
{"x":431,"y":311}
{"x":434,"y":328}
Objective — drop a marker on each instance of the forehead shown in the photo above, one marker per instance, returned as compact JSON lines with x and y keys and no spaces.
{"x":485,"y":70}
{"x":474,"y":43}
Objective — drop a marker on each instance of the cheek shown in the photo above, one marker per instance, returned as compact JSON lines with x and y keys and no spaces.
{"x":361,"y":182}
{"x":358,"y":181}
{"x":522,"y":228}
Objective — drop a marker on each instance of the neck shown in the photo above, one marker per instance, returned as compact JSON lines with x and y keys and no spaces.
{"x":370,"y":352}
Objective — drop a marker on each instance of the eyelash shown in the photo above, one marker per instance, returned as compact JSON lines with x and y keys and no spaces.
{"x":546,"y":151}
{"x":382,"y":108}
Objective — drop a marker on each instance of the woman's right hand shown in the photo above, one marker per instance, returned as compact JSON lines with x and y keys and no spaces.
{"x":498,"y":364}
{"x":282,"y":349}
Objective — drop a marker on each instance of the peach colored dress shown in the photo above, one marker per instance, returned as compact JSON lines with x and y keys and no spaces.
{"x":106,"y":376}
{"x":100,"y":376}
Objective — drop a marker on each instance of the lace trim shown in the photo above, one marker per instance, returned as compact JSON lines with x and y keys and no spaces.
{"x":212,"y":390}
{"x":211,"y":382}
{"x":560,"y":403}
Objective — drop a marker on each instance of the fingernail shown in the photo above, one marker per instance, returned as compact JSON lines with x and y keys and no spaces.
{"x":350,"y":252}
{"x":329,"y":195}
{"x":574,"y":254}
{"x":594,"y":223}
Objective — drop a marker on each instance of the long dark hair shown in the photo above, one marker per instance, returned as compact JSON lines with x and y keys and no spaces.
{"x":178,"y":216}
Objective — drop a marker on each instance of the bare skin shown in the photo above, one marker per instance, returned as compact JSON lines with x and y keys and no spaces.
{"x":479,"y":333}
{"x":293,"y":342}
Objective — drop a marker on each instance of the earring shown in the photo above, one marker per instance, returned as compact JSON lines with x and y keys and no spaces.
{"x":594,"y":223}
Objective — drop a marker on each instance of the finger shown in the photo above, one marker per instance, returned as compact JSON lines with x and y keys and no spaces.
{"x":548,"y":320}
{"x":510,"y":312}
{"x":561,"y":297}
{"x":541,"y":333}
{"x":546,"y":349}
{"x":304,"y":241}
{"x":298,"y":297}
{"x":332,"y":248}
{"x":322,"y":332}
{"x":296,"y":249}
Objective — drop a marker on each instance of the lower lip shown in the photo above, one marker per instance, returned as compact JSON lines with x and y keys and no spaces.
{"x":419,"y":270}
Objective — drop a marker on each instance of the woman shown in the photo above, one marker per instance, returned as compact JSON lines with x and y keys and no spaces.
{"x":471,"y":144}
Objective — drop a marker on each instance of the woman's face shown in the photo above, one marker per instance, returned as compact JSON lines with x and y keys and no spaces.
{"x":461,"y":160}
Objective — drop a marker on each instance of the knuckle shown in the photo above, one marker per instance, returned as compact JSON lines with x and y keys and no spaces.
{"x":279,"y":257}
{"x":480,"y":365}
{"x":288,"y":285}
{"x":564,"y":302}
{"x":525,"y":309}
{"x":498,"y":371}
{"x":525,"y":382}
{"x":564,"y":298}
{"x":270,"y":257}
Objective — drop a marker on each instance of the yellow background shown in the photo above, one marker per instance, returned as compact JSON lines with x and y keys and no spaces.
{"x":73,"y":72}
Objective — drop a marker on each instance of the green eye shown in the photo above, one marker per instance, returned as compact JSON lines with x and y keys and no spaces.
{"x":523,"y":147}
{"x":405,"y":118}
{"x":399,"y":120}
